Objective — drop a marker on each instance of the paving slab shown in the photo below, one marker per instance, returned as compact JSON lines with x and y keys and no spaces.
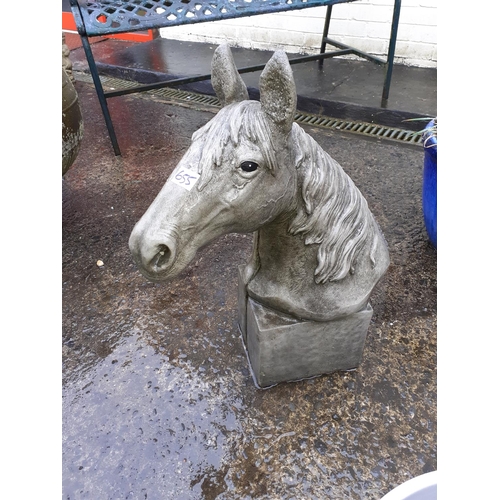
{"x":158,"y":398}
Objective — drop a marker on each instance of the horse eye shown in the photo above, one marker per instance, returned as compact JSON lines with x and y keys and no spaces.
{"x":249,"y":166}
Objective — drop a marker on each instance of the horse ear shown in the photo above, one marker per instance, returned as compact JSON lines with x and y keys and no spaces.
{"x":226,"y":80}
{"x":278,"y":95}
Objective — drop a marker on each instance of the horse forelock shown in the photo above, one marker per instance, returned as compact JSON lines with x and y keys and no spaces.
{"x":334,"y":213}
{"x":242,"y":121}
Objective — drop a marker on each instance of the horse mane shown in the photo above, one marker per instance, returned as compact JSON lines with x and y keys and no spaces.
{"x":237,"y":121}
{"x":334,"y":213}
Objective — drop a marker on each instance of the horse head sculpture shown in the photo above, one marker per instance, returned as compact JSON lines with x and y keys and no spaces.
{"x":318,"y":252}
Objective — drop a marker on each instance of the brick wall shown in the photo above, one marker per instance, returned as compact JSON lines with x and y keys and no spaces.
{"x":364,"y":24}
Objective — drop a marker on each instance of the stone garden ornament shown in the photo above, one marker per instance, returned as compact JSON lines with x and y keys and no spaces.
{"x":318,"y":251}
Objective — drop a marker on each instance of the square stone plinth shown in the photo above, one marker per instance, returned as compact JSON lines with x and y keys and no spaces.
{"x":283,"y":349}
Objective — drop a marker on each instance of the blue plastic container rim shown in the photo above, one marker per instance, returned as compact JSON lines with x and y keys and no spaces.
{"x":429,"y":138}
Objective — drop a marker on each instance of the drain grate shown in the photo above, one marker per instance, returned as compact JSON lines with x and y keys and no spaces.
{"x":357,"y":127}
{"x":184,"y":97}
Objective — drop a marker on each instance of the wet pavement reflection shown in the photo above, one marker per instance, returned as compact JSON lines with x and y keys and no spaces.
{"x":158,"y":398}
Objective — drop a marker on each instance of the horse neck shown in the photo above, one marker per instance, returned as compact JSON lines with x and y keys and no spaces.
{"x":280,"y":250}
{"x":327,"y":212}
{"x":276,"y":246}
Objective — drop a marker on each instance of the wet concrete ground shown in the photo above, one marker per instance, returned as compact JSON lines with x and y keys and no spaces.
{"x":158,"y":398}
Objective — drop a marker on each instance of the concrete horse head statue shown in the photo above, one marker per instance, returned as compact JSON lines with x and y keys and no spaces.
{"x":318,"y":251}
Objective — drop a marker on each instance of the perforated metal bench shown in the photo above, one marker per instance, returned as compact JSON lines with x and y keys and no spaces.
{"x":110,"y":17}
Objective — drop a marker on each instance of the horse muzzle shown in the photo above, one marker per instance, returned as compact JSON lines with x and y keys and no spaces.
{"x":154,"y":256}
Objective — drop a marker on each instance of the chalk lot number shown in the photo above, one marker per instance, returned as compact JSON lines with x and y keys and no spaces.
{"x":186,"y":178}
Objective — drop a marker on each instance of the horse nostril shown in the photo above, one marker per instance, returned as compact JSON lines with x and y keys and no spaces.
{"x":162,"y":258}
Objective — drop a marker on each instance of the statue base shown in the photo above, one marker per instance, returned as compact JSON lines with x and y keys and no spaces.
{"x":284,"y":349}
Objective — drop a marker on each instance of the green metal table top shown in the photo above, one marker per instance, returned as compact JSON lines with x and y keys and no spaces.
{"x":118,"y":16}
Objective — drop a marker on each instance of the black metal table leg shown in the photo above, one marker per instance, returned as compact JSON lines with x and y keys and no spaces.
{"x":392,"y":50}
{"x":100,"y":93}
{"x":326,"y":28}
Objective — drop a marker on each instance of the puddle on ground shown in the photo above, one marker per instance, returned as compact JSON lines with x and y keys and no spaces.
{"x":171,"y":428}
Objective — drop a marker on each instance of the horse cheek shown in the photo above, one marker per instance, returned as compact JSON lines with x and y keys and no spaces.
{"x":262,"y":201}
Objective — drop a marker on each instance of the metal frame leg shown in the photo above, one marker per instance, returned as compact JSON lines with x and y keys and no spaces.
{"x":325,"y":30}
{"x":389,"y":63}
{"x":100,"y":93}
{"x":392,"y":50}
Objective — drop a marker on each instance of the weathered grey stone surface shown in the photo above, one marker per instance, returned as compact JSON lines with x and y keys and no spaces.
{"x":72,"y":123}
{"x":318,"y":251}
{"x":284,"y":349}
{"x":66,"y":61}
{"x":281,"y":348}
